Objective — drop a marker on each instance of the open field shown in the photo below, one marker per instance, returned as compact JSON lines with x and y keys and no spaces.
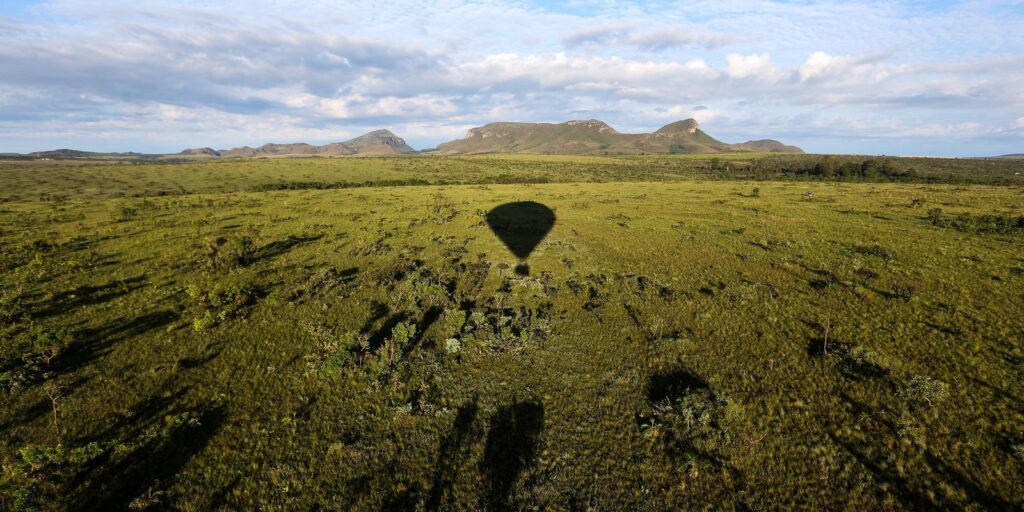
{"x":69,"y":179}
{"x":179,"y":336}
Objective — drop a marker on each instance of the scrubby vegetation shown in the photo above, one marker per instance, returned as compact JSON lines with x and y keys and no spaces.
{"x":31,"y":181}
{"x":678,"y":341}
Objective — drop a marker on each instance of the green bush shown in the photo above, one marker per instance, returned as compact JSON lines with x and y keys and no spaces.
{"x":225,"y":254}
{"x":923,"y":391}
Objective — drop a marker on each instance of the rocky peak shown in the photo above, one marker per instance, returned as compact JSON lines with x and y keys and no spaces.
{"x":686,"y":126}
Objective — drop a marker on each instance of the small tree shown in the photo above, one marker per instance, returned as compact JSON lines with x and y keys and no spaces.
{"x":54,"y":392}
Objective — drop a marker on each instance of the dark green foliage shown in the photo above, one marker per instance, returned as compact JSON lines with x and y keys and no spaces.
{"x":989,"y":223}
{"x":830,"y":167}
{"x":321,"y":185}
{"x":875,"y":250}
{"x":904,"y":291}
{"x":224,"y":253}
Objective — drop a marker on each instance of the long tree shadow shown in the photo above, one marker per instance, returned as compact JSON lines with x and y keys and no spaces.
{"x":91,"y":344}
{"x":88,"y":295}
{"x":511,"y":445}
{"x":378,"y":334}
{"x":917,"y":493}
{"x":156,"y":462}
{"x":279,"y":247}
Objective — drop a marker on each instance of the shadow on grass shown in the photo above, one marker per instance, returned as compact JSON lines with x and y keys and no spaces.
{"x":673,"y":384}
{"x":154,"y":463}
{"x":511,"y":444}
{"x":88,"y":295}
{"x":454,"y":448}
{"x":279,"y":247}
{"x":91,"y":344}
{"x":917,"y":491}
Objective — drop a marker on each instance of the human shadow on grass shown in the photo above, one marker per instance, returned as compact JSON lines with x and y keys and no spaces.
{"x":453,"y":450}
{"x":209,"y":354}
{"x":512,"y":441}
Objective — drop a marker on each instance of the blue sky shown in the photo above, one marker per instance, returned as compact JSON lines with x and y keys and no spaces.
{"x":924,"y":78}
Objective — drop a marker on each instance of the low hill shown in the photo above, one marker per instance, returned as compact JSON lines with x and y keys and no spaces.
{"x":378,"y":142}
{"x":593,"y":137}
{"x":74,"y":153}
{"x":767,"y":146}
{"x":200,"y":152}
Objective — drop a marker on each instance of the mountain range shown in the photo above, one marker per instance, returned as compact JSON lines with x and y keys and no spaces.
{"x":596,"y":137}
{"x":578,"y":137}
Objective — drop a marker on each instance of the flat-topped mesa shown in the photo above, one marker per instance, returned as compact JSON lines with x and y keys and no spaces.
{"x":496,"y":129}
{"x":685,"y":126}
{"x":600,"y":126}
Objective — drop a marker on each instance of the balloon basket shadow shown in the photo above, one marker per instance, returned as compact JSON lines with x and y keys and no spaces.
{"x":522,"y":269}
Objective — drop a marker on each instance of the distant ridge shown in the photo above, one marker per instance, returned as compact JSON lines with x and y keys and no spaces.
{"x":74,"y":153}
{"x":768,"y":146}
{"x":1012,"y":155}
{"x":377,"y":142}
{"x":594,"y":137}
{"x":577,"y":137}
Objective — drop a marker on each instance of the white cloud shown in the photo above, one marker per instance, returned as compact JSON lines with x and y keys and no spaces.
{"x":91,"y":71}
{"x":751,"y":66}
{"x":625,"y":33}
{"x":820,"y":64}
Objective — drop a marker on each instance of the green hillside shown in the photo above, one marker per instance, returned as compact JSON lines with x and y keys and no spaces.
{"x":593,"y":137}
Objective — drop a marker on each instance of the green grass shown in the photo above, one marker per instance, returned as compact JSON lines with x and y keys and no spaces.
{"x":666,"y":351}
{"x":33,"y":180}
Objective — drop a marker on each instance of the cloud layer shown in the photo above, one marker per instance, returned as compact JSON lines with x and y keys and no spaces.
{"x":160,"y":76}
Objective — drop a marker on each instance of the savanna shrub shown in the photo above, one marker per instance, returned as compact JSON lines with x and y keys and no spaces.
{"x":225,"y":254}
{"x":923,"y":391}
{"x":875,"y":250}
{"x":904,"y":291}
{"x":332,"y":351}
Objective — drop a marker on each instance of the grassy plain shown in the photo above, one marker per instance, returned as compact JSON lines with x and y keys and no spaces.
{"x":71,"y":179}
{"x":682,"y":341}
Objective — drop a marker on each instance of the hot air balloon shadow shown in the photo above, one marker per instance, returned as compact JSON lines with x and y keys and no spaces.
{"x":521,"y":226}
